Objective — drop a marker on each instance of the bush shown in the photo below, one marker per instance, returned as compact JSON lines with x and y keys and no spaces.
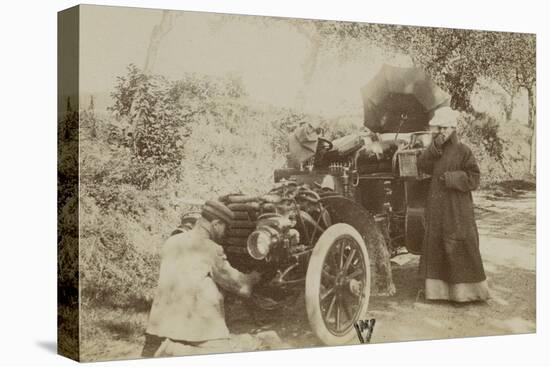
{"x":134,"y":185}
{"x":501,"y":149}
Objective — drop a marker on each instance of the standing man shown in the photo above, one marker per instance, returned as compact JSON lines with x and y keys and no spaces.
{"x":188,"y":305}
{"x":451,"y":263}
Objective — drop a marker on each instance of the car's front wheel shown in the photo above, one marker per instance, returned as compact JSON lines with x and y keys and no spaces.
{"x":338,"y":284}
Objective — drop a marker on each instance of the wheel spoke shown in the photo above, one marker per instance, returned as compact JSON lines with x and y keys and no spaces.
{"x":355,"y":274}
{"x":332,"y":255}
{"x":338,"y":314}
{"x":330,"y":307}
{"x":342,"y":247}
{"x":349,"y":259}
{"x":346,"y":310}
{"x":328,"y":275}
{"x":327,"y":293}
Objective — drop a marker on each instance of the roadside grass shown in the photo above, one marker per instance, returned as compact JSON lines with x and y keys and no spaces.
{"x":111,"y":333}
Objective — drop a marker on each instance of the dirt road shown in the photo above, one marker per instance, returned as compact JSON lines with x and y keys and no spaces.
{"x":507,"y":241}
{"x":507,"y":237}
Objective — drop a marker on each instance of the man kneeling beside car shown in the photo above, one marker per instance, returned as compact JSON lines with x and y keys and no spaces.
{"x":188,"y":304}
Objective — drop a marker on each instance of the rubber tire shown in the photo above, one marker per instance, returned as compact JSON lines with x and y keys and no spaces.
{"x":313,"y":282}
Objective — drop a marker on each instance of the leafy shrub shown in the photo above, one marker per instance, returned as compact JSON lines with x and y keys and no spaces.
{"x":125,"y":90}
{"x":67,"y":207}
{"x":193,"y":138}
{"x":483,"y":130}
{"x":150,"y":124}
{"x":501,"y":149}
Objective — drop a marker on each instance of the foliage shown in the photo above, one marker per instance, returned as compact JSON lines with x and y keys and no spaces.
{"x":125,"y":90}
{"x":67,"y":232}
{"x":128,"y":208}
{"x":67,"y":206}
{"x":501,"y":150}
{"x":154,"y":114}
{"x":455,"y":58}
{"x":484,"y":132}
{"x":155,"y":119}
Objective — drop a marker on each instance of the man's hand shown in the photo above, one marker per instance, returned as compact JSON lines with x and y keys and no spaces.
{"x":443,"y":178}
{"x":251,"y":279}
{"x":254,"y":277}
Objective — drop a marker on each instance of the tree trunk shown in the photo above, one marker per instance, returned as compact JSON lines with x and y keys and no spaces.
{"x":309,"y":63}
{"x":159,"y":31}
{"x":531,"y":122}
{"x":509,"y":107}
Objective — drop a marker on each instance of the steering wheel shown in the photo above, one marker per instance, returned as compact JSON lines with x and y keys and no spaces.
{"x":326,"y":144}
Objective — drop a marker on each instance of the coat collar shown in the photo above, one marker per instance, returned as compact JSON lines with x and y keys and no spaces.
{"x":203,"y":228}
{"x":453,"y":139}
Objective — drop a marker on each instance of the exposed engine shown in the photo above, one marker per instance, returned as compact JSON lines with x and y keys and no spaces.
{"x":278,"y":230}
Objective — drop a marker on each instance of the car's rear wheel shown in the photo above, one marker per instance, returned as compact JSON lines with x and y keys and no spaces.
{"x":338,"y":284}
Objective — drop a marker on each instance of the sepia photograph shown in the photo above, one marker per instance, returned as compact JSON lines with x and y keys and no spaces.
{"x":234,"y":183}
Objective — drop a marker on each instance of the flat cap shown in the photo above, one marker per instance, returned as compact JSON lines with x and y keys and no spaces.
{"x":445,"y":117}
{"x":213,"y":209}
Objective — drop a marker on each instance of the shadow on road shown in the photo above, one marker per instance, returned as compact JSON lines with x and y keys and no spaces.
{"x":48,"y":345}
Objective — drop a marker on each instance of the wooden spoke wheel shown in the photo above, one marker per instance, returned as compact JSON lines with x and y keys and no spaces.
{"x":338,"y":284}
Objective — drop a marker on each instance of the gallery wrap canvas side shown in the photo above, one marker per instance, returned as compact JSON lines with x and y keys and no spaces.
{"x":231,"y":183}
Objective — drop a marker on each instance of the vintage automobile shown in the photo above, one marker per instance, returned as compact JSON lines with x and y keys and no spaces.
{"x":341,"y":209}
